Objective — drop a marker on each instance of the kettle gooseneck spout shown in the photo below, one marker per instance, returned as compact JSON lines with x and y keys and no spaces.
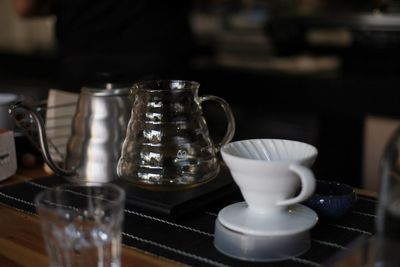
{"x":42,"y":139}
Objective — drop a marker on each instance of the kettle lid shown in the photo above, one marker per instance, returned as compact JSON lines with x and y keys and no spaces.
{"x":106,"y":89}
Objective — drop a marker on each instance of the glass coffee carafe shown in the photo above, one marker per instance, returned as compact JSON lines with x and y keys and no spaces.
{"x":167,"y":145}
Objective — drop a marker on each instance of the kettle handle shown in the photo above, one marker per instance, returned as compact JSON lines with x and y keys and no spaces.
{"x":230,"y":129}
{"x":42,"y":138}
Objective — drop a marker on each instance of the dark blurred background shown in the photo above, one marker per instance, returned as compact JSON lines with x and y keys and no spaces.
{"x":320,"y":71}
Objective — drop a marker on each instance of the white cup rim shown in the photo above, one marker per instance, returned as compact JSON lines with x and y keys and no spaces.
{"x":312,"y":154}
{"x":7,"y":98}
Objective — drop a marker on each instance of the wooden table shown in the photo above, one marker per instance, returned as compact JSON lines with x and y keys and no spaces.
{"x":21,"y":242}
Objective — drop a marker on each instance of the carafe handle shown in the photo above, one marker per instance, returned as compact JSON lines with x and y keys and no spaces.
{"x":230,"y":129}
{"x":42,"y":139}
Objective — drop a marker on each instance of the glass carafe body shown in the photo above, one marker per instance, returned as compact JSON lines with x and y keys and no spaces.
{"x":167,"y":144}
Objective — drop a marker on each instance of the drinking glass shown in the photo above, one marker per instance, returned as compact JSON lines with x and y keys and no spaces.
{"x":81,"y":224}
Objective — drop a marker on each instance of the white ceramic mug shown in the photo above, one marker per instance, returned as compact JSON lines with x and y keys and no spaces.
{"x":8,"y":159}
{"x":269,"y":172}
{"x":6,"y":121}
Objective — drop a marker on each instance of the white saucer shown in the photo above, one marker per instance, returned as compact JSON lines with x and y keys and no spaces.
{"x":237,"y":217}
{"x":260,"y":248}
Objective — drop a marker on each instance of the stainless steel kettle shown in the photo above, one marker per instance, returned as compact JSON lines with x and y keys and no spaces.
{"x":98,"y":130}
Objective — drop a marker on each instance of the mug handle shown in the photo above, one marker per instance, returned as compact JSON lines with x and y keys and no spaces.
{"x":307,"y":185}
{"x":230,"y":129}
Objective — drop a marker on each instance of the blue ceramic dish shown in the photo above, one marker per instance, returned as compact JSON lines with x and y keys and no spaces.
{"x":331,"y":200}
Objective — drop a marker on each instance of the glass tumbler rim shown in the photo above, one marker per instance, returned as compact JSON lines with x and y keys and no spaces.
{"x":119,"y":193}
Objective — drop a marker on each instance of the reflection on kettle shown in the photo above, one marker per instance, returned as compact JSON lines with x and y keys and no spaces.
{"x":167,"y":145}
{"x":98,"y":130}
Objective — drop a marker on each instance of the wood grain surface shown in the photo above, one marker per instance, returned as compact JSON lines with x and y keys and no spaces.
{"x":21,"y":242}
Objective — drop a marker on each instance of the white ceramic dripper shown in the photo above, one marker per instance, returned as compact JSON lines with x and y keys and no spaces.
{"x":269,"y":173}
